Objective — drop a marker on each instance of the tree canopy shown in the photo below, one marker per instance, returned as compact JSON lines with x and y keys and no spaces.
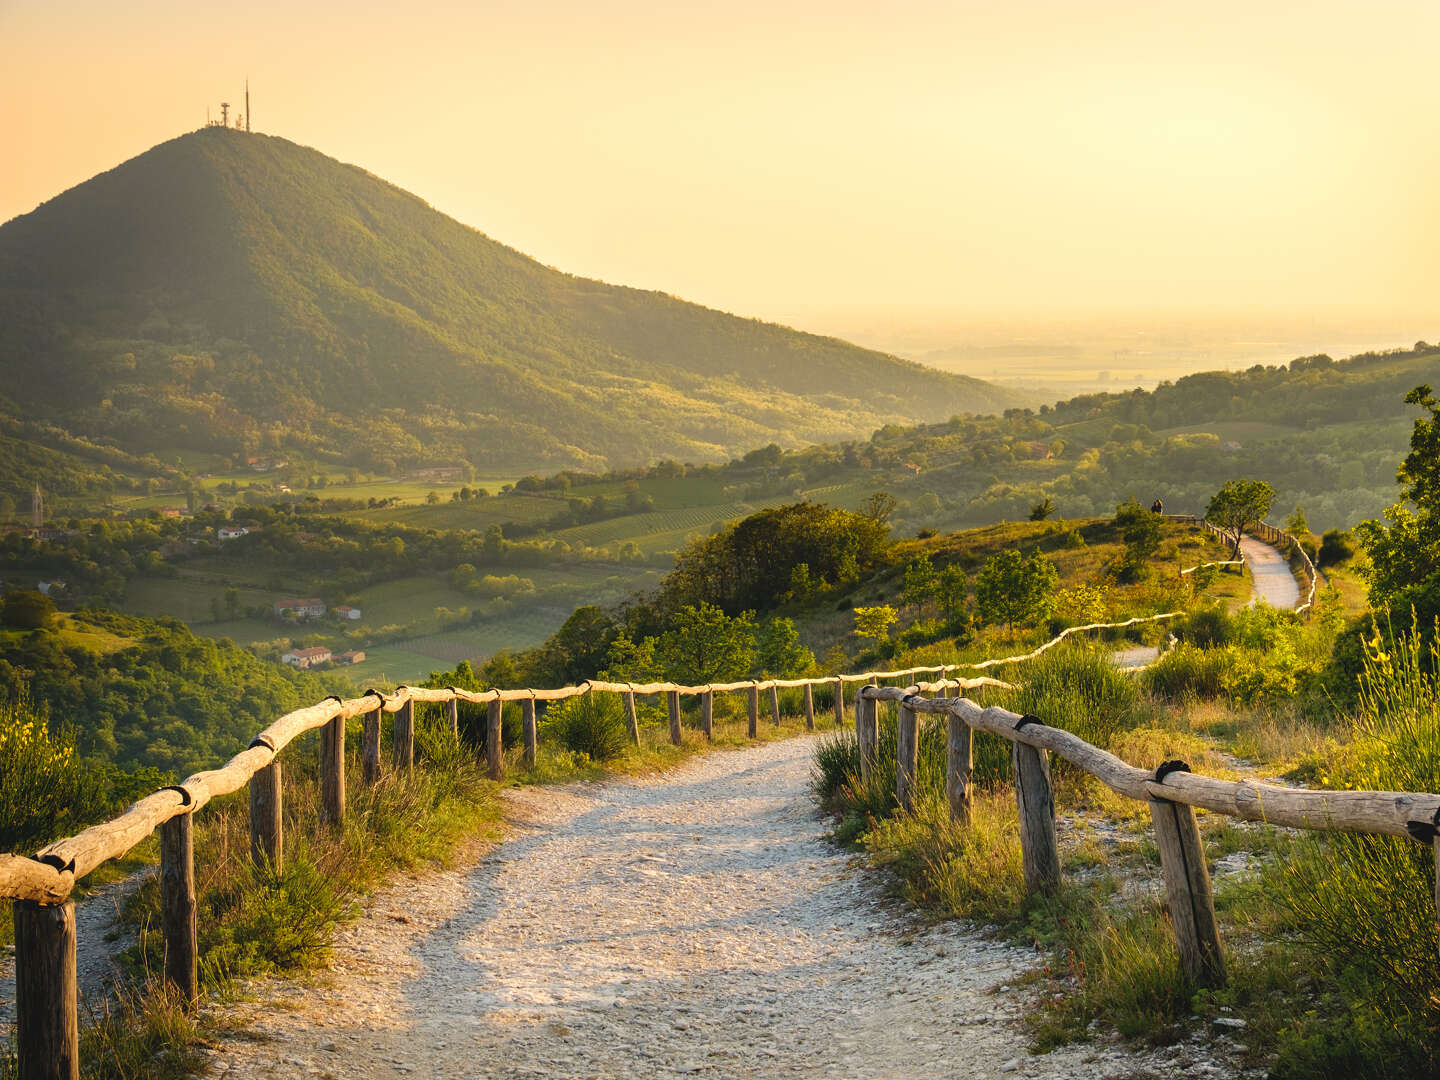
{"x":1237,"y":505}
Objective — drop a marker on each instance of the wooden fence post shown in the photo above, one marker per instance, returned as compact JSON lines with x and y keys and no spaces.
{"x":332,"y":772}
{"x":452,"y":713}
{"x":1187,"y":891}
{"x":1036,"y":802}
{"x":959,"y":766}
{"x":753,"y":729}
{"x":839,"y":703}
{"x":907,"y":745}
{"x":809,"y":707}
{"x":672,"y":704}
{"x":631,"y":718}
{"x":495,"y":741}
{"x":177,"y":901}
{"x":866,"y":733}
{"x":47,"y":1016}
{"x":370,"y":746}
{"x":775,"y":704}
{"x":403,"y":732}
{"x":707,"y":712}
{"x":267,"y":842}
{"x":532,"y":736}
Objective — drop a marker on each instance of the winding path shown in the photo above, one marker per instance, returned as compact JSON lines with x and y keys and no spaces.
{"x":694,"y":923}
{"x":1274,"y":582}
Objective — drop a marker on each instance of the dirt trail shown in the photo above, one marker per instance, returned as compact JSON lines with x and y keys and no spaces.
{"x":695,"y":923}
{"x":1274,"y":582}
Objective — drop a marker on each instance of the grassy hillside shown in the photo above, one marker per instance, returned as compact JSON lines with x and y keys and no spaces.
{"x":244,"y":295}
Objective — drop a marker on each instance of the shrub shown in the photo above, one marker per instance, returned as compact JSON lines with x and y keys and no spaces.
{"x":1076,"y":687}
{"x":1336,"y":546}
{"x":45,"y":791}
{"x":1205,"y":627}
{"x":1186,"y":673}
{"x":592,"y":724}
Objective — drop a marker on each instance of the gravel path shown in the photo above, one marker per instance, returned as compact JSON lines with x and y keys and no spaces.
{"x":1274,"y":583}
{"x":693,"y":923}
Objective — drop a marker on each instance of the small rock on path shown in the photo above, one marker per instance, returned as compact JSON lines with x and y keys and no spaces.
{"x":694,"y":923}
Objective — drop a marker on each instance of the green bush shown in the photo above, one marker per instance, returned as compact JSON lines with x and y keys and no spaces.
{"x":1187,"y":673}
{"x":1075,"y":686}
{"x":45,"y":790}
{"x":1366,"y":903}
{"x":591,"y":724}
{"x":1336,"y":546}
{"x":1205,"y":627}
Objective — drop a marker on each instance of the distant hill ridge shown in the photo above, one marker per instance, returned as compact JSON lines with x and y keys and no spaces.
{"x":227,"y":291}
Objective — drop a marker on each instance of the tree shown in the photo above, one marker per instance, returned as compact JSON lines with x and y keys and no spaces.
{"x":1237,"y":505}
{"x":780,"y":651}
{"x":878,"y":507}
{"x":1140,"y":529}
{"x":705,"y":645}
{"x":1043,"y":509}
{"x":875,"y":622}
{"x":1016,"y":588}
{"x":1296,"y":524}
{"x":28,"y":609}
{"x":7,"y":508}
{"x":951,"y":592}
{"x":920,"y":582}
{"x":1405,"y":554}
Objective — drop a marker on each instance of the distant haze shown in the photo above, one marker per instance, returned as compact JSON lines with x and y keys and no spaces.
{"x":842,"y":166}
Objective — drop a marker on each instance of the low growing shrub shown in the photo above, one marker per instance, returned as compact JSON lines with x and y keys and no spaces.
{"x":591,"y":724}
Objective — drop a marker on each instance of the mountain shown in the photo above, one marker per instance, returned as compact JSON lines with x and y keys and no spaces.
{"x":233,"y":293}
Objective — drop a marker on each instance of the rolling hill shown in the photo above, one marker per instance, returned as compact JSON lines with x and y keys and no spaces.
{"x":235,"y":293}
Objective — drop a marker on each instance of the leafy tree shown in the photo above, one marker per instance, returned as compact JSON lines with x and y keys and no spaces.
{"x":800,"y":584}
{"x":1140,"y":529}
{"x":875,"y":622}
{"x":921,"y":582}
{"x":27,"y":609}
{"x":704,"y":645}
{"x":1296,"y":524}
{"x":780,"y":651}
{"x":1237,"y":505}
{"x":1043,"y":509}
{"x":1016,"y":588}
{"x":951,"y":592}
{"x":1405,"y":554}
{"x":878,"y":507}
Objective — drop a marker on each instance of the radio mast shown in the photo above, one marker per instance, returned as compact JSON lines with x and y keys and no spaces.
{"x":247,"y":105}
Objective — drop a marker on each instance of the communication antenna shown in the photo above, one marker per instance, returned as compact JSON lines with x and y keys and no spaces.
{"x":247,"y":106}
{"x":224,"y":114}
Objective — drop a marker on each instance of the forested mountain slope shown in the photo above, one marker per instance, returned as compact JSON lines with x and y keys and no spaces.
{"x":235,"y":293}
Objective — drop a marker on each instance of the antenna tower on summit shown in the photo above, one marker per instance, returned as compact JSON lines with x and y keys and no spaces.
{"x":224,"y":114}
{"x":247,"y":106}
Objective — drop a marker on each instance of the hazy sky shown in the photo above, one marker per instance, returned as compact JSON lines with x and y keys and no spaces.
{"x":784,"y":157}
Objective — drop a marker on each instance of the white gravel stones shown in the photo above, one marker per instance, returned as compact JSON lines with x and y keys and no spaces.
{"x":694,"y":923}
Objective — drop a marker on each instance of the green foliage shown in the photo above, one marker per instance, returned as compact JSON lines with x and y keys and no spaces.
{"x":921,"y":583}
{"x":704,"y":645}
{"x":27,"y":609}
{"x":591,"y":724}
{"x":875,"y":622}
{"x":780,"y":652}
{"x":1140,"y":530}
{"x":45,"y":790}
{"x":749,"y":565}
{"x":1043,"y":509}
{"x":1404,"y":566}
{"x":1014,"y":588}
{"x":1075,"y":686}
{"x":1238,"y":504}
{"x":1336,"y":546}
{"x":951,"y":593}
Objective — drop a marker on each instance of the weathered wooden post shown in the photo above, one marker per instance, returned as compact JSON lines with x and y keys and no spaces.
{"x":753,"y":729}
{"x":907,"y":747}
{"x":532,"y":736}
{"x":47,"y":1019}
{"x":809,"y":707}
{"x":452,"y":714}
{"x":1188,"y":893}
{"x":775,"y":704}
{"x":672,"y":705}
{"x":177,"y":902}
{"x":707,"y":712}
{"x":631,"y":718}
{"x":332,"y":772}
{"x":959,"y":767}
{"x":839,"y":703}
{"x":1035,"y":799}
{"x":370,"y":745}
{"x":494,"y":741}
{"x":403,"y":732}
{"x":866,"y":733}
{"x":267,"y":844}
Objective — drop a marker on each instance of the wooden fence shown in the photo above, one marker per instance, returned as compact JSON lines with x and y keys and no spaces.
{"x":46,"y":991}
{"x":1172,"y":792}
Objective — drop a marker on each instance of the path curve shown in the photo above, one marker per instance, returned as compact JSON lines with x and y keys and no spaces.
{"x":1274,"y":582}
{"x":695,"y":923}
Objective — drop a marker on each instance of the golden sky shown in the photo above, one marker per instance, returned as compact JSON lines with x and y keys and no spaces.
{"x":785,"y":157}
